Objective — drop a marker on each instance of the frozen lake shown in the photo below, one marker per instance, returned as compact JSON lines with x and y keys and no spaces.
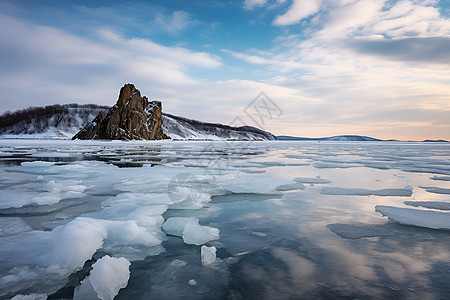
{"x":224,"y":220}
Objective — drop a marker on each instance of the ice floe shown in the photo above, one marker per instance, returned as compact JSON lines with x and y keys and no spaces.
{"x":442,"y":178}
{"x":429,"y":204}
{"x":312,"y":180}
{"x":436,"y":190}
{"x":405,"y":192}
{"x":416,"y":217}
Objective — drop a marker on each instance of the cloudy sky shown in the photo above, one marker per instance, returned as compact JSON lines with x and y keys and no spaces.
{"x":370,"y":67}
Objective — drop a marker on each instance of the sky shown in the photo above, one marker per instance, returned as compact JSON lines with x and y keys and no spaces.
{"x":309,"y":68}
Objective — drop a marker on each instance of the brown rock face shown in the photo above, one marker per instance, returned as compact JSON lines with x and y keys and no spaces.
{"x":132,"y":118}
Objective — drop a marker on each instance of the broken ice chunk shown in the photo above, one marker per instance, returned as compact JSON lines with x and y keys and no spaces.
{"x":208,"y":255}
{"x":108,"y":276}
{"x":175,"y":225}
{"x":196,"y":234}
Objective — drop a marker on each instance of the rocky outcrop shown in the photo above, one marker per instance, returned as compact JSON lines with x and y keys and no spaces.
{"x":133,"y":117}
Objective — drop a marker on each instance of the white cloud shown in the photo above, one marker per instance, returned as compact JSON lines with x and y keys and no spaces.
{"x":366,"y":59}
{"x":175,"y":23}
{"x":251,"y":4}
{"x":298,"y":10}
{"x":48,"y":65}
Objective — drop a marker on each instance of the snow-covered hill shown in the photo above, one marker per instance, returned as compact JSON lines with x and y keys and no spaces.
{"x":183,"y":128}
{"x":49,"y":122}
{"x":64,"y":121}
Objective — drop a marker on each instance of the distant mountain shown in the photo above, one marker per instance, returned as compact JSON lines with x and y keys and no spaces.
{"x":435,"y":141}
{"x":349,"y":138}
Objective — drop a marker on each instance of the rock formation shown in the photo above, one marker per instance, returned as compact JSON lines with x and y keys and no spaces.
{"x":133,"y":117}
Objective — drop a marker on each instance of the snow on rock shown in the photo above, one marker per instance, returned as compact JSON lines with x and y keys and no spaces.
{"x":108,"y":276}
{"x":429,"y":204}
{"x":416,"y":217}
{"x":208,"y":255}
{"x":405,"y":192}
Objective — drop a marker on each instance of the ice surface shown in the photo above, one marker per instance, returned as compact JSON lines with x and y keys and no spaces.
{"x":109,"y":275}
{"x":208,"y":255}
{"x":251,"y":184}
{"x":416,"y":217}
{"x":196,"y":234}
{"x":308,"y":180}
{"x":430,"y":204}
{"x":405,"y":192}
{"x":12,"y":226}
{"x":121,"y":212}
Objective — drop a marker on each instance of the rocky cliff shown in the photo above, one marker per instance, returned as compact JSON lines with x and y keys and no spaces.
{"x":133,"y":117}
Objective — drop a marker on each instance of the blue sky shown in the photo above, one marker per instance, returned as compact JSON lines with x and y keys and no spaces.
{"x":369,"y":67}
